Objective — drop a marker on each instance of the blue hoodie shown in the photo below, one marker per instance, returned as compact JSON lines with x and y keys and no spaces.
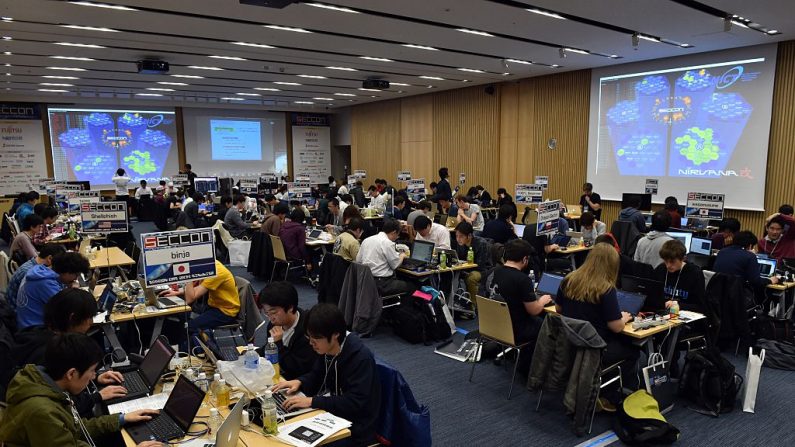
{"x":40,"y":284}
{"x":23,"y":211}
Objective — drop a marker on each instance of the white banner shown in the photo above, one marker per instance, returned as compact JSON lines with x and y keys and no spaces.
{"x":22,"y":157}
{"x":527,"y":193}
{"x":548,"y":215}
{"x":312,"y":152}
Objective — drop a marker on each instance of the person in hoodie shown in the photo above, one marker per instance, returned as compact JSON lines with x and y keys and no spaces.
{"x":632,"y":214}
{"x":779,"y":242}
{"x":40,"y":407}
{"x":42,"y":283}
{"x":648,"y":249}
{"x":344,"y":382}
{"x":47,"y":252}
{"x":293,"y":236}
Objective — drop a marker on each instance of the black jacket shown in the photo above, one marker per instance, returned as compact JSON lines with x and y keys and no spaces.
{"x":443,"y":190}
{"x":352,"y":380}
{"x":299,"y":358}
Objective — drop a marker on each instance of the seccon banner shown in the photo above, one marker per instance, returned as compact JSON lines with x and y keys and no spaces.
{"x":104,"y":217}
{"x":174,"y":257}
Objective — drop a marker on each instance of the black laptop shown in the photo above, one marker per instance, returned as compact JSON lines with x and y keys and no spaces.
{"x":421,"y":255}
{"x":142,"y":381}
{"x":653,"y":290}
{"x":549,"y":285}
{"x":630,"y":302}
{"x":176,"y":417}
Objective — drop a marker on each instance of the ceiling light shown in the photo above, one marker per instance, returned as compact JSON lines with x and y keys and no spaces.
{"x":66,"y":68}
{"x":256,"y":45}
{"x":188,"y":76}
{"x":232,"y":98}
{"x":55,"y":84}
{"x":53,"y":90}
{"x":400,"y":84}
{"x":554,"y":65}
{"x":518,"y":61}
{"x":267,"y":89}
{"x":304,"y":102}
{"x":379,"y":59}
{"x":7,"y":38}
{"x":60,"y":77}
{"x":614,"y":56}
{"x":312,"y":76}
{"x":740,"y":24}
{"x":332,"y":7}
{"x":575,"y":50}
{"x":157,"y":89}
{"x":470,"y":70}
{"x":649,"y":38}
{"x":685,"y":45}
{"x":475,"y":32}
{"x":773,"y":31}
{"x":171,"y":83}
{"x":229,"y":58}
{"x":6,"y":19}
{"x":201,"y":67}
{"x":90,"y":28}
{"x":433,"y":78}
{"x":368,"y":89}
{"x":248,"y":94}
{"x":7,"y":53}
{"x":546,"y":13}
{"x":324,"y":99}
{"x":287,"y":28}
{"x":81,"y":45}
{"x":103,"y":5}
{"x":148,"y":94}
{"x":342,"y":68}
{"x":72,"y":58}
{"x":419,"y":47}
{"x":344,"y":94}
{"x":285,"y":83}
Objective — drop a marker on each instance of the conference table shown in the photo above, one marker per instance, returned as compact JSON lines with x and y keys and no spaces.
{"x":779,"y":292}
{"x":570,"y":252}
{"x":454,"y":271}
{"x":111,"y":258}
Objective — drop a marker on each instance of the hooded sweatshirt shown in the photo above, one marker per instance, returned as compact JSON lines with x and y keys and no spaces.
{"x":39,"y":414}
{"x":351,"y":379}
{"x":636,"y":217}
{"x":648,"y":250}
{"x":40,"y":284}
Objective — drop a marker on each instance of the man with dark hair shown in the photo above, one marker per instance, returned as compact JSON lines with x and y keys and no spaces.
{"x":43,"y":258}
{"x":632,"y":214}
{"x":335,"y":214}
{"x":347,"y":244}
{"x":432,"y":232}
{"x":423,"y":209}
{"x":40,"y":410}
{"x":483,"y":196}
{"x":191,"y":210}
{"x":191,"y":175}
{"x":234,"y":220}
{"x":346,"y":382}
{"x":41,"y":283}
{"x":358,"y":193}
{"x":143,"y":190}
{"x":591,"y":201}
{"x":739,"y":260}
{"x":501,"y":229}
{"x":466,"y":239}
{"x":446,"y":206}
{"x":48,"y":215}
{"x":381,"y":256}
{"x":293,"y":236}
{"x":22,"y":248}
{"x":672,"y":206}
{"x":270,"y":202}
{"x":287,"y":326}
{"x":376,"y":199}
{"x":226,"y":205}
{"x":786,"y":210}
{"x":26,"y":208}
{"x":727,"y":228}
{"x":779,"y":242}
{"x":468,"y":212}
{"x":273,"y":223}
{"x":443,"y":189}
{"x":648,"y":249}
{"x":591,"y":228}
{"x":399,"y":211}
{"x":683,"y":282}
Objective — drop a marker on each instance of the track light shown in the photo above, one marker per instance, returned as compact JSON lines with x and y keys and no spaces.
{"x":635,"y":40}
{"x":562,"y":53}
{"x":727,"y":24}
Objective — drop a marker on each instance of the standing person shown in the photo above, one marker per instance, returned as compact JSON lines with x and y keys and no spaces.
{"x":501,"y":229}
{"x":22,"y":249}
{"x":443,"y":189}
{"x":466,"y":239}
{"x":779,"y":242}
{"x":26,"y":208}
{"x":191,"y":176}
{"x":648,"y":249}
{"x":122,"y":180}
{"x":727,"y":228}
{"x":380,"y":255}
{"x":468,"y":212}
{"x":591,"y":228}
{"x":503,"y":198}
{"x":143,"y":190}
{"x":738,"y":259}
{"x":632,"y":214}
{"x":432,"y":232}
{"x":672,"y":207}
{"x":591,"y":201}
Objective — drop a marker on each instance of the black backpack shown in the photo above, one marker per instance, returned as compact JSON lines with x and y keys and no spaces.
{"x":709,"y":381}
{"x":639,"y":422}
{"x":778,"y":354}
{"x":420,"y":321}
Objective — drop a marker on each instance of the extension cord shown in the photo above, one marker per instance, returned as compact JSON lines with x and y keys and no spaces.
{"x":645,"y":324}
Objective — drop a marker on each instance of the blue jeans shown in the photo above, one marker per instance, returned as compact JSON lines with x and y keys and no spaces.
{"x":210,"y":318}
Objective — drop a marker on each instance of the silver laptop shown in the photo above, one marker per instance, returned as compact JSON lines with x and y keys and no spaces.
{"x":229,"y":432}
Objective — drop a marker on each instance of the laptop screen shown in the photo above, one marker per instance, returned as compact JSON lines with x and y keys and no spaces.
{"x":630,"y":302}
{"x":315,"y":234}
{"x":518,"y":229}
{"x":767,"y":267}
{"x":184,"y":402}
{"x":701,"y":246}
{"x":422,"y":251}
{"x":549,"y":284}
{"x":682,"y":237}
{"x":108,"y":299}
{"x":155,"y":361}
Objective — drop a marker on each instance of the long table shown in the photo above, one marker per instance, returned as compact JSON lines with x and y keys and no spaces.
{"x":111,"y":258}
{"x":454,"y":270}
{"x":779,"y":291}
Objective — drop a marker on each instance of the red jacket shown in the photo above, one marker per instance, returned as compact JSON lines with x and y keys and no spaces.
{"x":785,"y":246}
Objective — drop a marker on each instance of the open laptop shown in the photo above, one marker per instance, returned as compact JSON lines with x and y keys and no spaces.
{"x":651,"y":289}
{"x":175,"y":418}
{"x":630,"y":302}
{"x":519,"y":230}
{"x":142,"y":381}
{"x":107,"y":300}
{"x":767,"y":266}
{"x":437,"y":218}
{"x":452,"y":221}
{"x":153,"y":298}
{"x":549,"y":285}
{"x":314,"y":235}
{"x":229,"y":431}
{"x":701,"y":246}
{"x":421,"y":255}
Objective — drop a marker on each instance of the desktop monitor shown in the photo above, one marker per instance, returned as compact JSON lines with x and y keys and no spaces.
{"x":684,"y":237}
{"x":204,"y":185}
{"x":645,"y":200}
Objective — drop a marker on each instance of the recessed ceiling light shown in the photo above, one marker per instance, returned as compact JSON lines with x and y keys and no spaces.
{"x":171,"y":83}
{"x":773,"y":31}
{"x":72,"y":58}
{"x":7,"y":53}
{"x":613,"y":56}
{"x":400,"y":84}
{"x":368,"y":89}
{"x":332,"y":7}
{"x":342,"y":68}
{"x":554,"y":65}
{"x":52,"y":90}
{"x":649,"y":38}
{"x":81,"y":45}
{"x":419,"y":47}
{"x":288,"y":28}
{"x":90,"y":28}
{"x":379,"y":59}
{"x":66,"y":68}
{"x":157,"y":89}
{"x":60,"y":77}
{"x":312,"y":76}
{"x":201,"y":67}
{"x":575,"y":50}
{"x":433,"y":78}
{"x":519,"y":61}
{"x":286,"y":83}
{"x":6,"y":19}
{"x":344,"y":94}
{"x":470,"y":70}
{"x":324,"y":99}
{"x":248,"y":94}
{"x":148,"y":94}
{"x":546,"y":13}
{"x":7,"y":38}
{"x":188,"y":76}
{"x":55,"y":84}
{"x":267,"y":89}
{"x":232,"y":98}
{"x":256,"y":45}
{"x":685,"y":45}
{"x":229,"y":58}
{"x":104,"y":5}
{"x":475,"y":32}
{"x":304,"y":102}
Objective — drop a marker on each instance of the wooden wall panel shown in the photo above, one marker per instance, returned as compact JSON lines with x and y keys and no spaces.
{"x":416,"y":137}
{"x":509,"y":128}
{"x":375,"y":140}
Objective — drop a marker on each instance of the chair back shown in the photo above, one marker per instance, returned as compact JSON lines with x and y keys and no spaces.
{"x":278,"y":248}
{"x":5,"y":273}
{"x":494,"y":320}
{"x":626,"y":235}
{"x":13,"y":225}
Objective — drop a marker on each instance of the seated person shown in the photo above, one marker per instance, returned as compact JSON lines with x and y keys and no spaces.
{"x":501,"y":229}
{"x":270,"y":202}
{"x":22,"y":248}
{"x":42,"y":283}
{"x":786,"y":210}
{"x":287,"y":326}
{"x":345,"y":382}
{"x":503,"y":198}
{"x":648,"y":249}
{"x":779,"y":242}
{"x":234,"y":220}
{"x":632,"y":214}
{"x":39,"y":412}
{"x":347,"y":244}
{"x":400,"y":211}
{"x":48,"y":215}
{"x":334,"y":217}
{"x":466,"y":239}
{"x":672,"y":207}
{"x":143,"y":190}
{"x":223,"y":301}
{"x":682,"y":282}
{"x":377,"y":201}
{"x":43,"y":258}
{"x":432,"y":232}
{"x":69,"y":311}
{"x":273,"y":223}
{"x":26,"y":208}
{"x":293,"y":236}
{"x":381,"y":256}
{"x":226,"y":205}
{"x":739,"y":260}
{"x":446,"y":207}
{"x":469,"y":213}
{"x":591,"y":228}
{"x":727,"y":228}
{"x":423,"y":209}
{"x":192,"y":217}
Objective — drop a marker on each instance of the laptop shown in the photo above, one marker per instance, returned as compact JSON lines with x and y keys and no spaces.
{"x":549,"y":285}
{"x":279,"y":397}
{"x":767,"y":266}
{"x":421,"y":255}
{"x":107,"y":300}
{"x":437,"y":218}
{"x":142,"y":381}
{"x":229,"y":431}
{"x":153,"y":298}
{"x":651,"y":289}
{"x":223,"y":343}
{"x":630,"y":302}
{"x":314,"y":235}
{"x":518,"y":229}
{"x":175,"y":418}
{"x":452,"y":255}
{"x":701,"y":246}
{"x":452,"y":221}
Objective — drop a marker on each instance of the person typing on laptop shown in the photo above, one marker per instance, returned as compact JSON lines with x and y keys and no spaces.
{"x":683,"y":282}
{"x":347,"y":244}
{"x":501,"y":229}
{"x":739,"y":260}
{"x":381,"y":256}
{"x":41,"y":411}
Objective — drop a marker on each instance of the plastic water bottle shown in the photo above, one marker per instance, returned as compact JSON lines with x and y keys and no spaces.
{"x":140,"y":306}
{"x":251,"y":359}
{"x":272,"y":354}
{"x":532,"y":276}
{"x":204,"y":385}
{"x":214,"y":422}
{"x":470,"y":256}
{"x":222,"y":394}
{"x":443,"y":260}
{"x":270,"y":418}
{"x":214,"y":388}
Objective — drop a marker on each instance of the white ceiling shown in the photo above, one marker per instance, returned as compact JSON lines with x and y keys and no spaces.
{"x":186,"y":32}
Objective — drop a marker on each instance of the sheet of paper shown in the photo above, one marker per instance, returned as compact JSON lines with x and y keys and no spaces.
{"x":100,"y":317}
{"x":154,"y":402}
{"x":312,"y":431}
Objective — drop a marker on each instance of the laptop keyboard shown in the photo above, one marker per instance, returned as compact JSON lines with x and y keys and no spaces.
{"x":163,"y":428}
{"x":229,"y":353}
{"x":135,"y":384}
{"x":280,"y":398}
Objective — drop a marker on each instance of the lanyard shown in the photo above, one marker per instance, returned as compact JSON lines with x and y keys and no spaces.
{"x":676,"y":285}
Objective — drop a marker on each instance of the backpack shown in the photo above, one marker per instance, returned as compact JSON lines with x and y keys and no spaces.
{"x":709,"y":381}
{"x":639,"y":421}
{"x":417,"y":320}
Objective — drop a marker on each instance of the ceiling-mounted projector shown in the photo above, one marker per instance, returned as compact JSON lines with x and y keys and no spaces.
{"x":148,"y":66}
{"x":375,"y":84}
{"x":269,"y":3}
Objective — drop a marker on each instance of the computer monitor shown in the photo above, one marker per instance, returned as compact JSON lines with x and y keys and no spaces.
{"x":684,"y":237}
{"x":767,"y":267}
{"x":651,"y":289}
{"x":645,"y":200}
{"x":701,"y":246}
{"x":204,"y":185}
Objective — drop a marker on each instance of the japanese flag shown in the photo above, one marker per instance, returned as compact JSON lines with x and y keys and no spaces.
{"x":182,"y":269}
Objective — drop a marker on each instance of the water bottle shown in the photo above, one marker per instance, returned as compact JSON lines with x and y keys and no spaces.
{"x":470,"y":256}
{"x":214,"y":388}
{"x":222,"y":394}
{"x":251,"y":359}
{"x":214,"y":423}
{"x":204,"y":385}
{"x":270,"y":419}
{"x":272,"y":354}
{"x":532,"y":276}
{"x":443,"y":260}
{"x":140,"y":305}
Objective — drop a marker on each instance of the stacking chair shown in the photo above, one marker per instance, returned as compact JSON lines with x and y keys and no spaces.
{"x":280,"y":257}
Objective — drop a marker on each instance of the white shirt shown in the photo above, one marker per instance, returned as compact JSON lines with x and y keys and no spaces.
{"x":439,"y":235}
{"x":142,"y":191}
{"x":121,"y":182}
{"x":343,"y":205}
{"x":377,"y":203}
{"x":342,"y":191}
{"x":379,"y":254}
{"x":289,"y":332}
{"x":185,"y":202}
